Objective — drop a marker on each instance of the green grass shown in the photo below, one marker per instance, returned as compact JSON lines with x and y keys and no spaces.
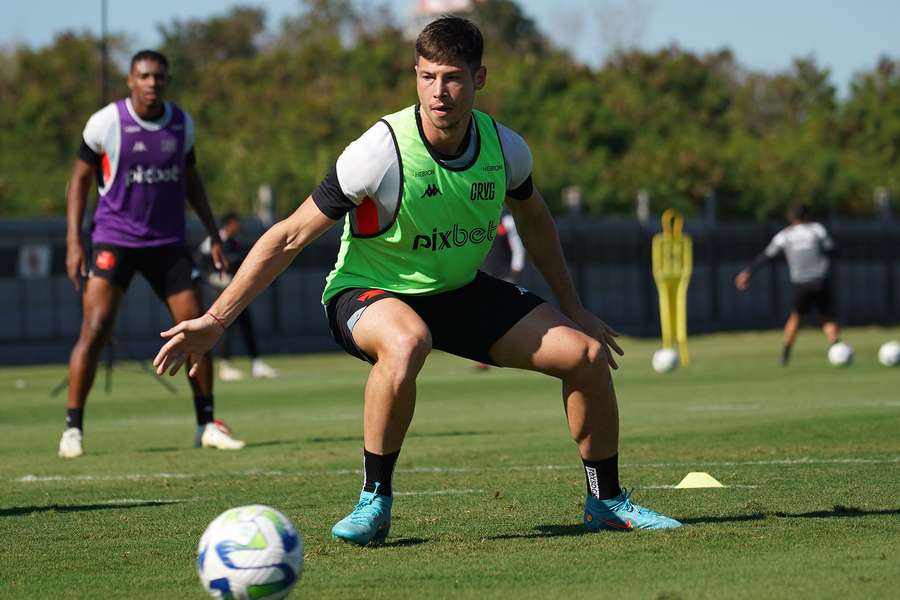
{"x":492,"y":486}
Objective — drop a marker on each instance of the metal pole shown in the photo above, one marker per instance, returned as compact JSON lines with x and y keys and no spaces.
{"x":104,"y":55}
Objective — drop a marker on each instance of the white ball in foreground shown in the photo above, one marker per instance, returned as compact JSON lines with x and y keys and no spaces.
{"x":889,"y":353}
{"x":664,"y":360}
{"x":250,"y":552}
{"x":840,"y":354}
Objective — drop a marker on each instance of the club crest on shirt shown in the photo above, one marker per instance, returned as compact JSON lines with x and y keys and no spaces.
{"x":105,"y":260}
{"x":169,"y":145}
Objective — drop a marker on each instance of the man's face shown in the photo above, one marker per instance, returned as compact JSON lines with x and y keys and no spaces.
{"x":447,"y":91}
{"x":147,"y":82}
{"x":232,"y":227}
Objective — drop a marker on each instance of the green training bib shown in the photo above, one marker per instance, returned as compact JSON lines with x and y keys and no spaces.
{"x":442,"y":227}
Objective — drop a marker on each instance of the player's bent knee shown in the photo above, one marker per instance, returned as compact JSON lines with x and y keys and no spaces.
{"x":408,"y":347}
{"x":592,"y":363}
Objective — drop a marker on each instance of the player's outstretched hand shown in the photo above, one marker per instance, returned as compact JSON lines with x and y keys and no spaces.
{"x":742,"y":281}
{"x":602,"y":332}
{"x":188,"y":342}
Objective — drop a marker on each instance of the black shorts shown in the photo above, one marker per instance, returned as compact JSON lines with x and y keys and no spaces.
{"x":166,"y":268}
{"x":466,"y":321}
{"x":813,"y":294}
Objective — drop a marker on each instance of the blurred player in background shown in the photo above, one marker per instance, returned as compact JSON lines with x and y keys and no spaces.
{"x":218,"y":281}
{"x":421,"y":194}
{"x":507,"y":256}
{"x":806,"y":246}
{"x":140,"y":152}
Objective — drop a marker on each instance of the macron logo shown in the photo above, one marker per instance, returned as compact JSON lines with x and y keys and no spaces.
{"x":431,"y":191}
{"x":139,"y":146}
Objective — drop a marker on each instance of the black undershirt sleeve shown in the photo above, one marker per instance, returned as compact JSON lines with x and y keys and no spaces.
{"x":759,"y":261}
{"x":330,"y":198}
{"x":524,"y":191}
{"x":87,"y":155}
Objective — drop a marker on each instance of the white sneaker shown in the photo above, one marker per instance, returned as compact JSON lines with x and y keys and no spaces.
{"x":229,"y":373}
{"x":216,"y":435}
{"x":70,"y":444}
{"x":262,"y":370}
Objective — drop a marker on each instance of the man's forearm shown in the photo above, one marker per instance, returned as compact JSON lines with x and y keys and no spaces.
{"x":538,"y":232}
{"x":267,"y":259}
{"x":270,"y":255}
{"x":76,"y":200}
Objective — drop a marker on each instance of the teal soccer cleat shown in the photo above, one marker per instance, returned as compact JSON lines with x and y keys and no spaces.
{"x":369,"y":522}
{"x":621,"y":514}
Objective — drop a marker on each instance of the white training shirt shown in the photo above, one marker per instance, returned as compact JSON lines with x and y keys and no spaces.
{"x":102,"y":134}
{"x":805,"y":246}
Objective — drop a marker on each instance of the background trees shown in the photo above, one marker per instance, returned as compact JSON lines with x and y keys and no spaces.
{"x":277,"y":106}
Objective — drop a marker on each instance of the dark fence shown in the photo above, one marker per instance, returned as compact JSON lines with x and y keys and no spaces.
{"x":609,"y":260}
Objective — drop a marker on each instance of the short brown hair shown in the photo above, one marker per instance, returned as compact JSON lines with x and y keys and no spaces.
{"x":451,"y":39}
{"x":798,"y":212}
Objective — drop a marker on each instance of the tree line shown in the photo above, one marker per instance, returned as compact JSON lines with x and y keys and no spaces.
{"x":277,"y":107}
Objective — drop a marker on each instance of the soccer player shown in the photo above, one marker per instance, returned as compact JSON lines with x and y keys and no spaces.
{"x":506,"y":258}
{"x":421,"y":193}
{"x":806,"y":246}
{"x":234,"y":253}
{"x":140,"y":150}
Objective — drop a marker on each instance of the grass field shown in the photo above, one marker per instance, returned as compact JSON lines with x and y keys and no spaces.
{"x":489,"y":486}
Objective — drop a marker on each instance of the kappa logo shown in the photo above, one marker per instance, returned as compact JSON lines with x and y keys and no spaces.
{"x":139,"y":146}
{"x":431,"y":191}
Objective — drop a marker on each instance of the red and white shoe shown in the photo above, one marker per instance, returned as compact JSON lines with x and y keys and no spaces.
{"x":216,"y":435}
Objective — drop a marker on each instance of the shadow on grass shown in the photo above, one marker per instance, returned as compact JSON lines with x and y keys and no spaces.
{"x":838,"y":511}
{"x":18,"y":511}
{"x":359,"y":438}
{"x":402,"y":542}
{"x":543,"y":531}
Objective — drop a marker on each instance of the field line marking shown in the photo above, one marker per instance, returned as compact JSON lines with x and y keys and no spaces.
{"x":116,"y":501}
{"x":257,"y":472}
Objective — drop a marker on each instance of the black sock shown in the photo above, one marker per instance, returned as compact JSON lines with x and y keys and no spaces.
{"x":785,"y":354}
{"x":602,"y":477}
{"x":74,"y":416}
{"x":380,"y":470}
{"x":203,"y":406}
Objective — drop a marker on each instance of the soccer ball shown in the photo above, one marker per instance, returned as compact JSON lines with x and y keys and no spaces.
{"x":840,"y":354}
{"x":250,"y":552}
{"x":889,"y":354}
{"x":664,"y":360}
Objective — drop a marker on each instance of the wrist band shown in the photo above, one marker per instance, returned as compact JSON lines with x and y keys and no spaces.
{"x":217,"y":320}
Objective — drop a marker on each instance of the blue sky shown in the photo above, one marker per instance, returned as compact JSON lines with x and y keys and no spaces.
{"x":843,"y":35}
